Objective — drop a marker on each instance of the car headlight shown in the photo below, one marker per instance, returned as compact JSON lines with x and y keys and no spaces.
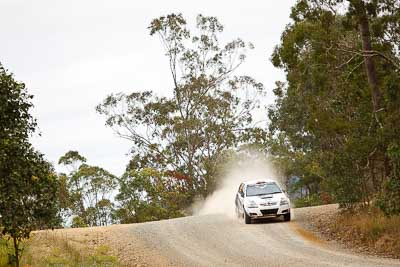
{"x":252,"y":204}
{"x":284,"y":201}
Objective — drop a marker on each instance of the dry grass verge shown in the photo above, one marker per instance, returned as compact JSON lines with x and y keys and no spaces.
{"x":59,"y":248}
{"x":370,"y":230}
{"x":112,"y":246}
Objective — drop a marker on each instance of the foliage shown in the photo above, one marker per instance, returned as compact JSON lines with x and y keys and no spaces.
{"x":308,"y":201}
{"x":389,"y":199}
{"x":28,"y":184}
{"x":334,"y":121}
{"x":5,"y":251}
{"x":149,"y":195}
{"x":72,"y":159}
{"x":78,"y":222}
{"x":210,"y":109}
{"x":87,"y":191}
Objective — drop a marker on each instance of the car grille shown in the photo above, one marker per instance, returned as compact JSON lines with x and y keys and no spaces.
{"x":269,"y":212}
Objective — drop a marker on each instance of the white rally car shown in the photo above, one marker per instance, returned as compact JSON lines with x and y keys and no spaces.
{"x":261,"y":199}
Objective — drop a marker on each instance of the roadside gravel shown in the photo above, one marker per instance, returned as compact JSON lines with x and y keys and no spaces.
{"x":316,"y":219}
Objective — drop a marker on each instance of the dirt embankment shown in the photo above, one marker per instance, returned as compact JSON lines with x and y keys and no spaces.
{"x":367,"y":232}
{"x":74,"y":246}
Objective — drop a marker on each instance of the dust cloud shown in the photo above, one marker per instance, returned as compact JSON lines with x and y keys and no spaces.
{"x":248,"y":166}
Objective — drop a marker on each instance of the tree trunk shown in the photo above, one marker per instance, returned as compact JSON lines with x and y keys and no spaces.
{"x":16,"y":249}
{"x":363,"y":25}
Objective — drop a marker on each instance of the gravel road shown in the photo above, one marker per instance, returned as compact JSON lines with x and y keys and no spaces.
{"x":218,"y":240}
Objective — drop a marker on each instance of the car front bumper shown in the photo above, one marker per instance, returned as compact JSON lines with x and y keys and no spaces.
{"x":268,"y":211}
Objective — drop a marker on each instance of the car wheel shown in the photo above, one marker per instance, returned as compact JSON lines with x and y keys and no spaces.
{"x":286,"y":217}
{"x":247,"y":218}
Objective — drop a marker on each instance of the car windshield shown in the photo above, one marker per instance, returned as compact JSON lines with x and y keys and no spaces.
{"x":262,"y":189}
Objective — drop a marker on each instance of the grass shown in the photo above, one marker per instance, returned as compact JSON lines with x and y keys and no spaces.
{"x":370,"y":228}
{"x":5,"y":249}
{"x":49,"y":249}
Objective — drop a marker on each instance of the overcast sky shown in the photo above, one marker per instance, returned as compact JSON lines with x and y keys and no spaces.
{"x":73,"y":53}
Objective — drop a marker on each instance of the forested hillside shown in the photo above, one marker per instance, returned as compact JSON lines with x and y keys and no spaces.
{"x":335,"y":122}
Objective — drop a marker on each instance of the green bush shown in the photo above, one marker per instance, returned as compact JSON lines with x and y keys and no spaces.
{"x":78,"y":222}
{"x":308,"y":201}
{"x":4,"y":252}
{"x":389,"y":200}
{"x":7,"y":257}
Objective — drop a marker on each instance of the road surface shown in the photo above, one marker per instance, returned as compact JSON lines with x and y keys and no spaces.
{"x":218,"y":240}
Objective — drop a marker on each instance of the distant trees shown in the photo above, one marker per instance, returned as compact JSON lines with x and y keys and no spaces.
{"x":88,"y":191}
{"x":335,"y":121}
{"x":28,"y":183}
{"x":91,"y":196}
{"x":210,"y":110}
{"x":149,"y":195}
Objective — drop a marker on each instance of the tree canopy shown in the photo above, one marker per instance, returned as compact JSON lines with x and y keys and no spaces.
{"x":88,"y":192}
{"x":28,"y":184}
{"x":210,"y":109}
{"x":334,"y":123}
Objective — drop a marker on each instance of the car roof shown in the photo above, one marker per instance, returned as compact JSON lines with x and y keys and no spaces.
{"x":259,"y":181}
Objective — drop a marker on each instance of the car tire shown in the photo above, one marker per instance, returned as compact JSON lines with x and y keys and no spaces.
{"x":247,"y":218}
{"x":286,"y":217}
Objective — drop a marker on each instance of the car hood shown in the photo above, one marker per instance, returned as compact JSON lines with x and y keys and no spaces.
{"x":267,"y":198}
